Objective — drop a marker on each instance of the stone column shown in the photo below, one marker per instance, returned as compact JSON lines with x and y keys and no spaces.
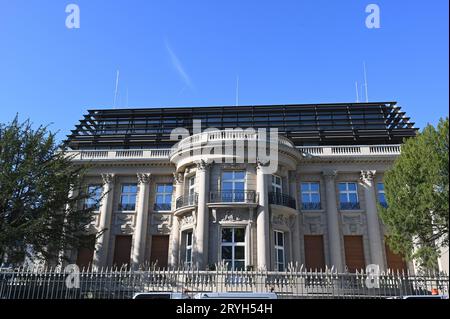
{"x":334,"y":234}
{"x":262,"y":218}
{"x":373,"y":223}
{"x":140,"y":230}
{"x":106,"y":207}
{"x":293,"y":191}
{"x":201,"y":234}
{"x":175,"y":229}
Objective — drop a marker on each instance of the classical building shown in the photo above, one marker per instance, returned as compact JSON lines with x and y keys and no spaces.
{"x":183,"y":195}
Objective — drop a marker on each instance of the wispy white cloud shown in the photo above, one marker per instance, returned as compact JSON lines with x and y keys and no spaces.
{"x":178,"y":66}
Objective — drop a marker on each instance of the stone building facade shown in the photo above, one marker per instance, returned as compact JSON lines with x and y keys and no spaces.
{"x":179,"y":206}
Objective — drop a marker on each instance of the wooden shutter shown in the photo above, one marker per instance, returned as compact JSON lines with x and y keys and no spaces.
{"x":86,"y":254}
{"x":395,"y":261}
{"x":160,"y":250}
{"x":122,"y":251}
{"x":314,"y":252}
{"x":354,"y":253}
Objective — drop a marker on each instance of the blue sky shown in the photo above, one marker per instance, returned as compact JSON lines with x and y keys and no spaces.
{"x":190,"y":53}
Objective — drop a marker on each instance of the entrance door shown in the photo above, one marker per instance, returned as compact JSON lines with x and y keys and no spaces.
{"x":122,"y":251}
{"x":354,"y":253}
{"x":160,"y":250}
{"x":314,"y":253}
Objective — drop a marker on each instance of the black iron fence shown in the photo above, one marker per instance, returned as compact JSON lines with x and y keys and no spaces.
{"x":33,"y":283}
{"x":233,"y":197}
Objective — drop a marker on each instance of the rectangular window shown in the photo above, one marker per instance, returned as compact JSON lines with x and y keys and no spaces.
{"x":233,"y":248}
{"x":279,"y":251}
{"x":191,"y":191}
{"x":188,"y":249}
{"x":163,"y":197}
{"x":348,"y":196}
{"x":310,"y":194}
{"x":95,"y":193}
{"x":128,"y":197}
{"x":276,"y":184}
{"x":233,"y":186}
{"x":381,"y":195}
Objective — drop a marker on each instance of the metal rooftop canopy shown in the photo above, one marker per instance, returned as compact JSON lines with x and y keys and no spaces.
{"x":305,"y":124}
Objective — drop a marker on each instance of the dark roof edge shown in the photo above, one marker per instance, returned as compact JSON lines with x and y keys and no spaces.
{"x":240,"y":106}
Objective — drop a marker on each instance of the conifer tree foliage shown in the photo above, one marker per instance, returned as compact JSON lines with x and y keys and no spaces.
{"x":417,"y":192}
{"x":42,"y":195}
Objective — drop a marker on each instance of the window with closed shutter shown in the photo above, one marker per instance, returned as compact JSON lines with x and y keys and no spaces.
{"x":314,"y":252}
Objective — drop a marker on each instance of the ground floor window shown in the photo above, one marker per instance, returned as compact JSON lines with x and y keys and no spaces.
{"x":233,"y":247}
{"x":188,"y":248}
{"x":279,"y":251}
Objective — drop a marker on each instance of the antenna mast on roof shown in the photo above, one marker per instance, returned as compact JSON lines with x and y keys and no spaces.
{"x":365,"y":83}
{"x":116,"y":90}
{"x":237,"y":91}
{"x":357,"y":93}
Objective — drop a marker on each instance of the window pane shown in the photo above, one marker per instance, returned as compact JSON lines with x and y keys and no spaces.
{"x":226,"y":252}
{"x":342,"y":187}
{"x":240,"y":186}
{"x":352,"y":186}
{"x":189,"y":239}
{"x":124,"y":199}
{"x":280,"y":239}
{"x":239,"y":235}
{"x":160,"y":188}
{"x":380,"y":186}
{"x":343,"y":198}
{"x":167,"y":199}
{"x":226,"y":235}
{"x":159,"y":199}
{"x":315,"y":198}
{"x":227,"y":175}
{"x":239,"y":252}
{"x":169,"y":188}
{"x":280,"y":258}
{"x":239,"y":175}
{"x":305,"y":187}
{"x":353,"y":198}
{"x":226,"y":186}
{"x":305,"y":198}
{"x":315,"y":187}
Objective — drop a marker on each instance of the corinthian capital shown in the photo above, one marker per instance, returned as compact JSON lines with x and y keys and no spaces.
{"x":367,"y":176}
{"x":108,"y":178}
{"x":329,"y":174}
{"x":203,"y":165}
{"x":144,"y":178}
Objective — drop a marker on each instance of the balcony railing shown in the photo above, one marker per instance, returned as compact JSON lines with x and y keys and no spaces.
{"x":162,"y":207}
{"x":357,"y":150}
{"x":184,"y":201}
{"x":311,"y":206}
{"x":233,"y":197}
{"x":282,"y":199}
{"x":350,"y":205}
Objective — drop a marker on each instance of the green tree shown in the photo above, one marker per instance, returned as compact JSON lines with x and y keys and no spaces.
{"x":36,"y":208}
{"x":417,"y":189}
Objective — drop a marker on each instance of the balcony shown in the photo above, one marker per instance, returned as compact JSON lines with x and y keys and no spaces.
{"x":282,"y":200}
{"x":184,"y":201}
{"x":350,"y":206}
{"x":247,"y":197}
{"x":338,"y":151}
{"x":311,"y":206}
{"x":119,"y":155}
